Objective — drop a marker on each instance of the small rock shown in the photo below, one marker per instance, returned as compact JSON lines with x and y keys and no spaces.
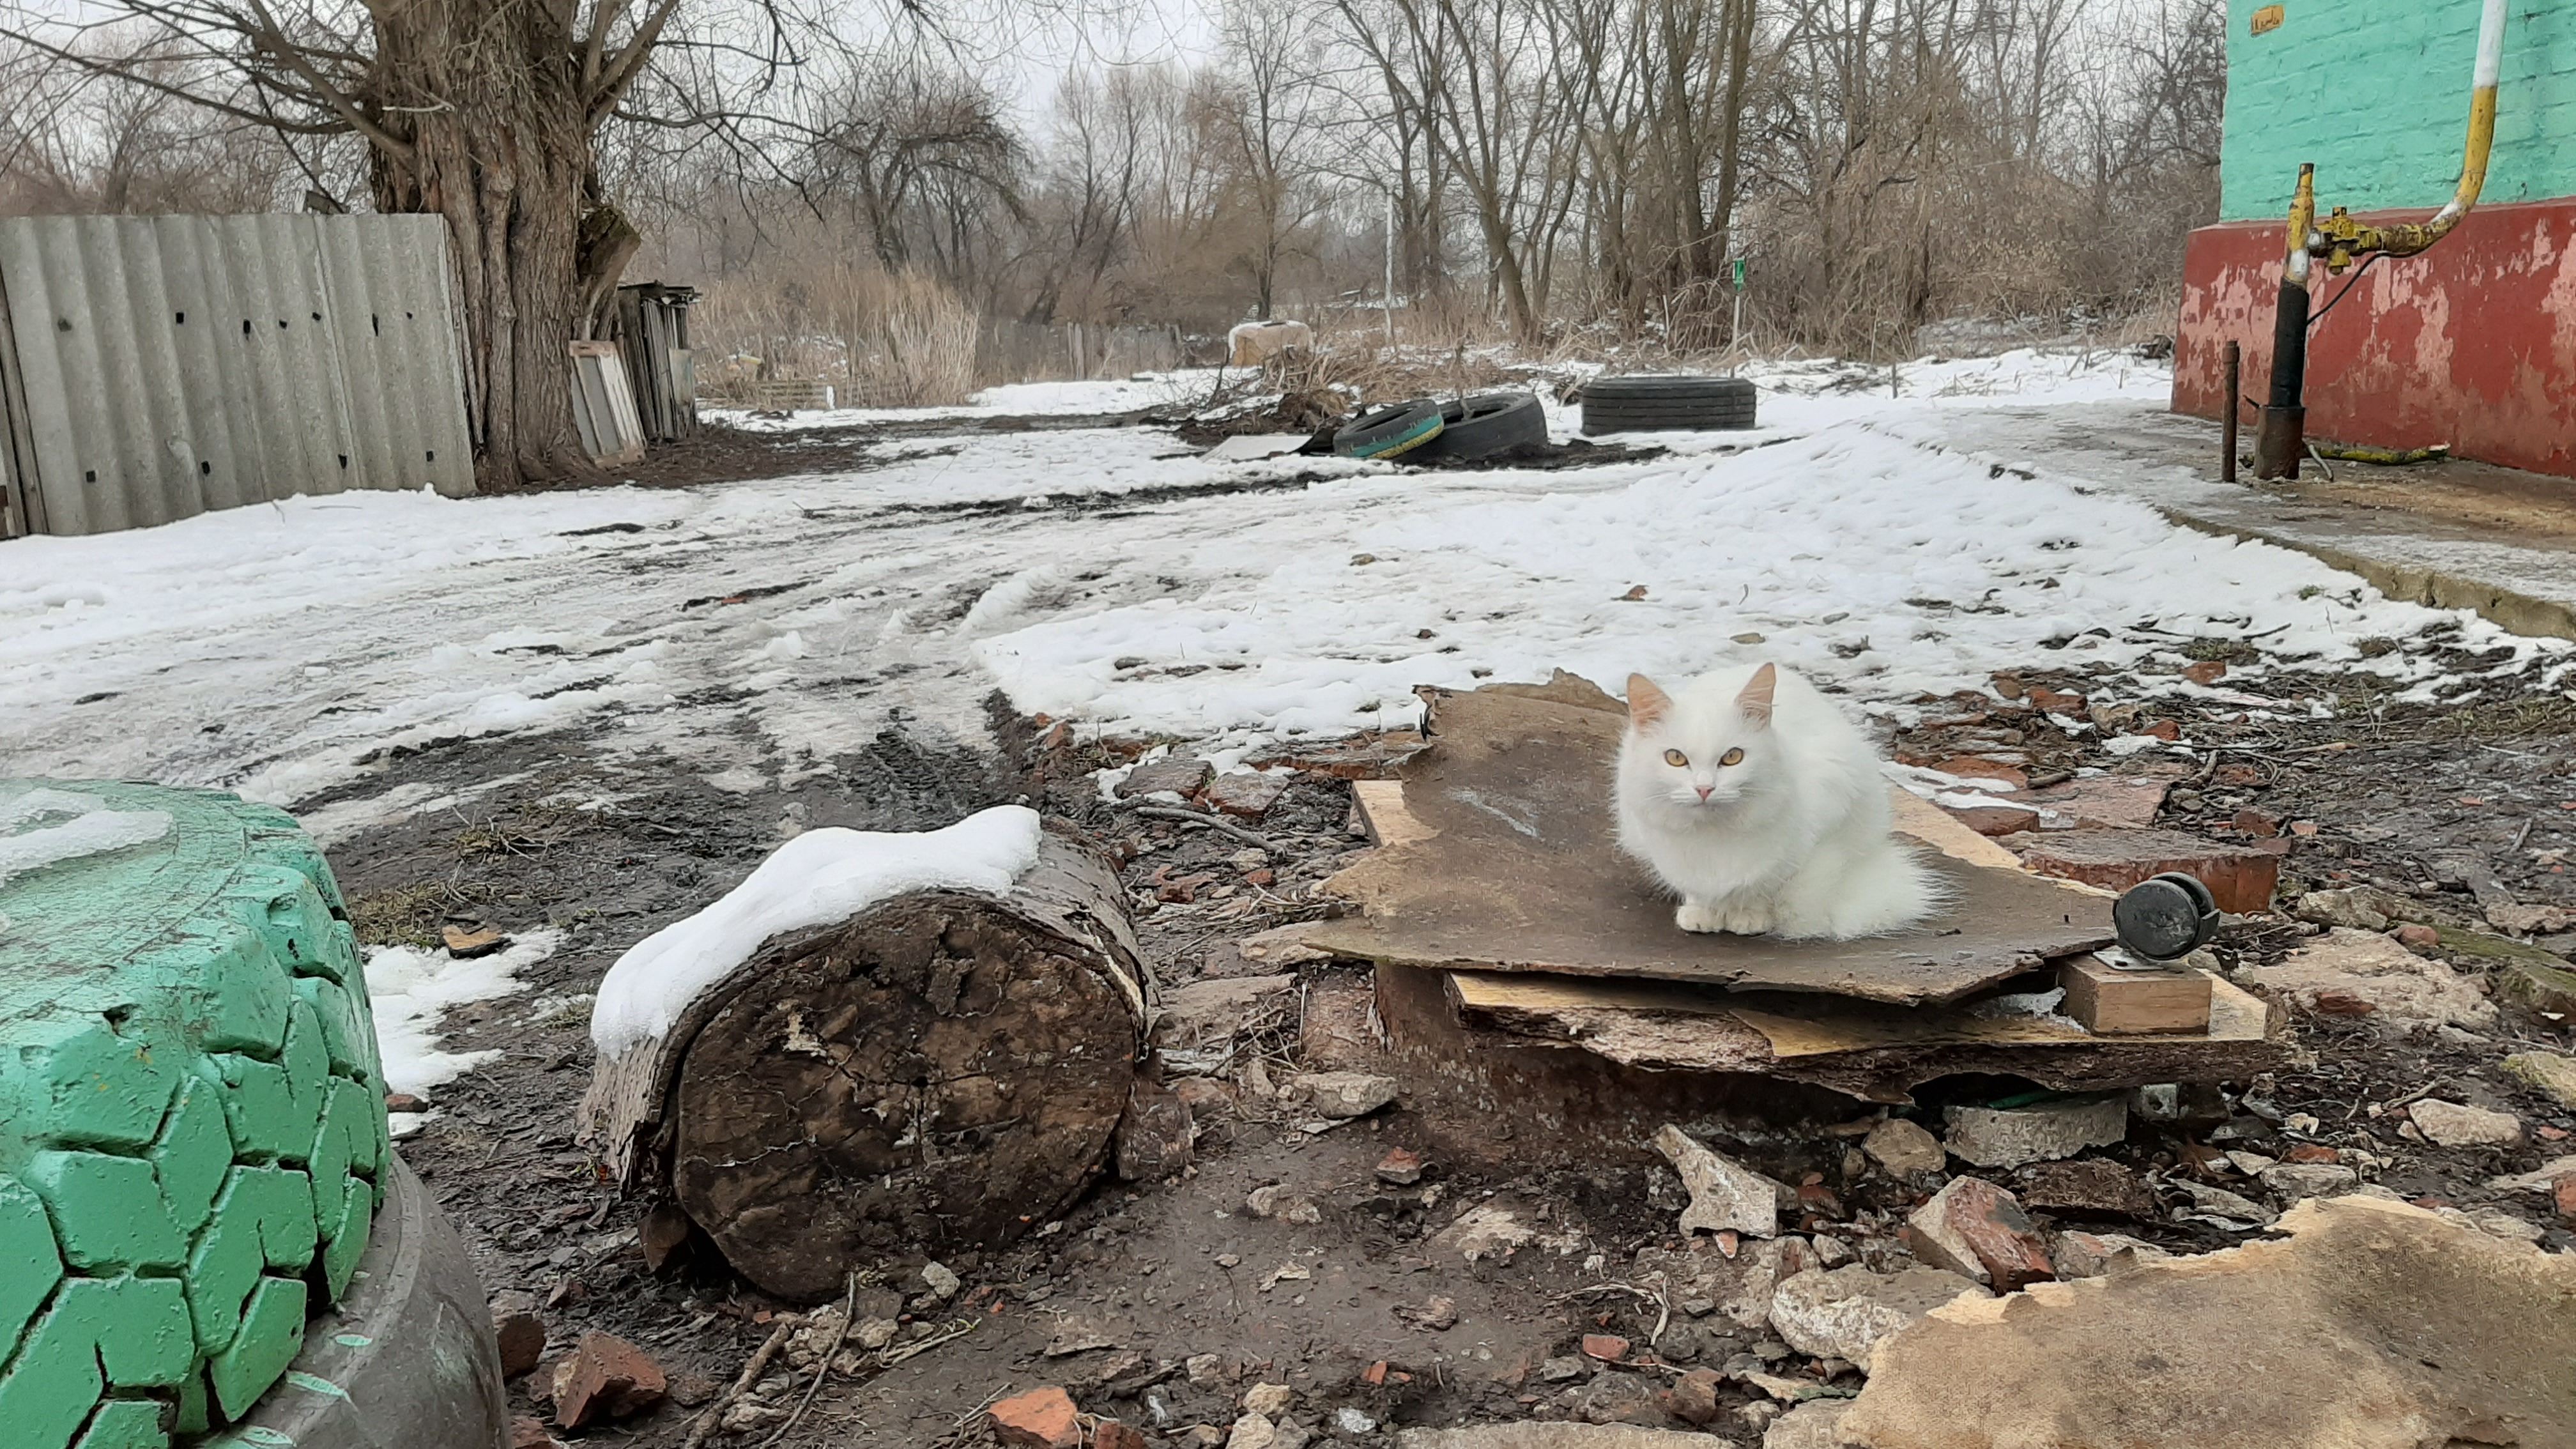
{"x":2418,"y":937}
{"x":2205,"y":671}
{"x":1248,"y":795}
{"x":2400,"y":991}
{"x":2449,"y":1124}
{"x":2098,"y":1255}
{"x":1813,"y":1425}
{"x":1203,"y":1368}
{"x":1607,"y":1347}
{"x":405,"y":1102}
{"x":1341,"y":1095}
{"x":1978,"y":1231}
{"x":465,"y":945}
{"x":1693,"y":1397}
{"x":1435,"y":1315}
{"x":1401,"y":1166}
{"x":2291,"y":1181}
{"x":1844,"y":1313}
{"x":2258,"y":824}
{"x":751,"y":1415}
{"x":1353,"y":1422}
{"x":1725,"y":1196}
{"x":2218,"y":1202}
{"x":2562,"y":1195}
{"x":1112,"y":1434}
{"x":1268,"y":1400}
{"x":1831,"y":1252}
{"x":1995,"y":820}
{"x":1562,"y":1369}
{"x":1181,"y":776}
{"x":2086,"y":1187}
{"x":1039,"y":1419}
{"x":875,"y":1333}
{"x":1613,"y":1398}
{"x":2042,"y":1132}
{"x":2357,"y":908}
{"x":1678,"y":1343}
{"x":1904,"y":1147}
{"x":1253,"y":1431}
{"x":943,"y":1283}
{"x":1274,"y":1200}
{"x":605,"y":1378}
{"x":2551,"y":1074}
{"x":527,"y":1433}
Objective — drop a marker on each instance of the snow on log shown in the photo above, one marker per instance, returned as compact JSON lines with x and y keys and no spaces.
{"x":878,"y":1043}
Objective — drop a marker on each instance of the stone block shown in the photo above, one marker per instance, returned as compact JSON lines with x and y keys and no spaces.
{"x":2041,"y":1132}
{"x":2241,"y":878}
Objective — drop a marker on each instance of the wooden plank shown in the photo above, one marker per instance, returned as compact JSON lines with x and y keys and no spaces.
{"x":1866,"y":1049}
{"x":1504,"y":861}
{"x":1944,"y":832}
{"x":2112,"y":1002}
{"x":1382,"y":810}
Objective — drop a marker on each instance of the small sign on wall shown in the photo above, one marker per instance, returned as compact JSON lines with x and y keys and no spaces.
{"x":2269,"y":18}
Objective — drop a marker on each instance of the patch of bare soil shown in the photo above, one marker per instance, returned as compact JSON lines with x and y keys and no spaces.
{"x":1162,"y":1304}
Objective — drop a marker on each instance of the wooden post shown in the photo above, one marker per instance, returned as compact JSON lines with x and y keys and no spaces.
{"x":2235,"y":400}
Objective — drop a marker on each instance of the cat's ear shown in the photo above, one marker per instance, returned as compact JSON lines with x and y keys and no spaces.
{"x":1646,"y":703}
{"x":1755,"y":698}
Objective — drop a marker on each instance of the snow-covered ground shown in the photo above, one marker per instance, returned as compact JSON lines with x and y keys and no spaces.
{"x":1107,"y":576}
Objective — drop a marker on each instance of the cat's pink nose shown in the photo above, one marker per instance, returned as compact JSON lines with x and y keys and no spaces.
{"x":1704,"y":790}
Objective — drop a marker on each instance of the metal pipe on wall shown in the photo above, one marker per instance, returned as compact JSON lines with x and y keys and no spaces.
{"x":2339,"y":240}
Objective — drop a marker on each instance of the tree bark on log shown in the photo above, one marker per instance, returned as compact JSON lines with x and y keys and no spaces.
{"x":943,"y":1070}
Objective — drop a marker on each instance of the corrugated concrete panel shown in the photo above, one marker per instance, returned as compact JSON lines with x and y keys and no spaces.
{"x":164,"y":366}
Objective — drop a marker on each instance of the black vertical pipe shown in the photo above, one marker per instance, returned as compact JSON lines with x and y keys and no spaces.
{"x":2235,"y":401}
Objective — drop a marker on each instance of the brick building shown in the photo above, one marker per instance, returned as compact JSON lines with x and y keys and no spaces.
{"x":2473,"y":343}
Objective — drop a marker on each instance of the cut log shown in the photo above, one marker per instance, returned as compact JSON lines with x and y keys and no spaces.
{"x":943,"y":1070}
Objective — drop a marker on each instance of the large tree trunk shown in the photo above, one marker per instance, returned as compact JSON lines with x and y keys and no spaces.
{"x":940,"y":1071}
{"x":483,"y":95}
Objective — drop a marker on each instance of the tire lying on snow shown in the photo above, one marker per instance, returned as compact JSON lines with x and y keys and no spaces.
{"x":1666,"y":402}
{"x":1486,"y":424}
{"x":1390,"y":431}
{"x":195,"y":1135}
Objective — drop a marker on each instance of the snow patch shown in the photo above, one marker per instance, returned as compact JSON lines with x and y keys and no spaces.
{"x":412,"y":991}
{"x":93,"y":829}
{"x":819,"y":877}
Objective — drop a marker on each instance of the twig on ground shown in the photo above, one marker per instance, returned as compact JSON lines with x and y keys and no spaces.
{"x":919,"y":1346}
{"x":750,"y":1375}
{"x":822,"y":1363}
{"x":990,"y":1400}
{"x":1208,"y":822}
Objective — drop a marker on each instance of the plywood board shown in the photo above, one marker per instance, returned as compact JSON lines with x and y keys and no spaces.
{"x":1509,"y":865}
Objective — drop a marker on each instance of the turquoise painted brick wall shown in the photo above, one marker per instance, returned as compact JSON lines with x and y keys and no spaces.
{"x":2376,"y":93}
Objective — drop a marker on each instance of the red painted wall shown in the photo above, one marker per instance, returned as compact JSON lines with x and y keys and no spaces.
{"x":2471,"y":344}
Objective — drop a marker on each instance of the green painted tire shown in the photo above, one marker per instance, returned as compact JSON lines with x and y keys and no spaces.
{"x":192,"y":1120}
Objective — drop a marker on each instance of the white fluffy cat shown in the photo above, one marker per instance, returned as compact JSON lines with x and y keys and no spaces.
{"x":1751,"y":797}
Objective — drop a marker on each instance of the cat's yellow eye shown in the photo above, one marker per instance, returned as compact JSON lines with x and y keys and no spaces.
{"x":1677,"y":759}
{"x":1731,"y":757}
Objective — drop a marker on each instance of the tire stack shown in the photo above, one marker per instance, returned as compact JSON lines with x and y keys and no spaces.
{"x":1666,"y":402}
{"x":1423,"y":430}
{"x":192,"y":1120}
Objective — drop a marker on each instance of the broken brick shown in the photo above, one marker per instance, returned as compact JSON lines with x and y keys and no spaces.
{"x":2128,"y":802}
{"x":2311,"y":1153}
{"x":1362,"y":757}
{"x":1969,"y":767}
{"x":404,"y":1102}
{"x":523,"y":1340}
{"x":2163,"y":729}
{"x":1248,"y":796}
{"x":2057,"y":701}
{"x":2257,"y":824}
{"x":1039,"y":1419}
{"x":1977,"y":1230}
{"x":1607,"y":1347}
{"x":1993,"y":820}
{"x":1401,"y":1166}
{"x":2240,"y":877}
{"x":527,"y":1433}
{"x":465,"y":945}
{"x":2205,"y":671}
{"x":2092,"y":1187}
{"x":604,"y":1378}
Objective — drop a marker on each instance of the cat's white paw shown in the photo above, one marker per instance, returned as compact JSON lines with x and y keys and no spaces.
{"x":1745,"y":921}
{"x":1701,"y":917}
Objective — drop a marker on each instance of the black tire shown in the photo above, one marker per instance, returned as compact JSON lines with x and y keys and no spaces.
{"x":1666,"y":402}
{"x":1486,"y":424}
{"x":1390,"y":431}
